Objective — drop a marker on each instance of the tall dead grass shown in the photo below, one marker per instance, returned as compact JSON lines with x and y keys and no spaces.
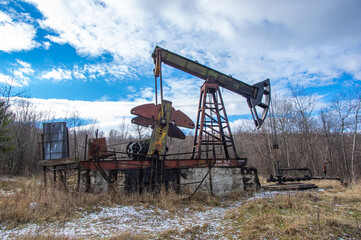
{"x":331,"y":214}
{"x":192,"y":232}
{"x":30,"y":202}
{"x":42,"y":237}
{"x":126,"y":236}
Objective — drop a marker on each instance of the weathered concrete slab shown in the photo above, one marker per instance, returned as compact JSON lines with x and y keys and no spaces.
{"x":221,"y":182}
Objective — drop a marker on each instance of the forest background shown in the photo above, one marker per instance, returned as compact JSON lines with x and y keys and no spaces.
{"x":306,"y":137}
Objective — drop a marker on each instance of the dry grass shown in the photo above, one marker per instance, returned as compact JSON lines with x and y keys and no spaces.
{"x":126,"y":236}
{"x":262,"y":180}
{"x":119,"y":236}
{"x":330,"y":184}
{"x":30,"y":202}
{"x":329,"y":214}
{"x":193,"y":232}
{"x":37,"y":205}
{"x":334,"y":213}
{"x":42,"y":237}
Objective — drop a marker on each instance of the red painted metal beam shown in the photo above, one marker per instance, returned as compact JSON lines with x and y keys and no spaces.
{"x":169,"y":163}
{"x":115,"y":164}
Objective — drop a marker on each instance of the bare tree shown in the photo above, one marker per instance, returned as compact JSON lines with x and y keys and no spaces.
{"x":23,"y":159}
{"x":304,"y":103}
{"x":356,"y":108}
{"x":73,"y":119}
{"x":141,"y":132}
{"x":341,"y":104}
{"x":282,"y":113}
{"x":327,"y":128}
{"x":124,"y":129}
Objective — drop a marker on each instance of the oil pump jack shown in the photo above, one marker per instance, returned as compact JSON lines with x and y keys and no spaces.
{"x":212,"y":127}
{"x":150,"y":165}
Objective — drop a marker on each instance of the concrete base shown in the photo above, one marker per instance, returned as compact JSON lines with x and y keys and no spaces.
{"x":92,"y":181}
{"x":222,"y":182}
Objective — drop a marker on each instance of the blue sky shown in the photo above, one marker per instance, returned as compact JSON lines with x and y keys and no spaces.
{"x":94,"y":56}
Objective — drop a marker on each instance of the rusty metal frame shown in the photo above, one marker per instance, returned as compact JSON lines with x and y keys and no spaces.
{"x":212,"y":128}
{"x":211,"y":123}
{"x":168,"y":164}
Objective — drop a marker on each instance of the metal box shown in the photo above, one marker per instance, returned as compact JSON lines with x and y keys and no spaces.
{"x":56,"y":144}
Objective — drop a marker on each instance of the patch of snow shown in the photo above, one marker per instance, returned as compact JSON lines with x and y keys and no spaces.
{"x":7,"y":179}
{"x":270,"y":194}
{"x":114,"y":220}
{"x":5,"y":192}
{"x":150,"y":221}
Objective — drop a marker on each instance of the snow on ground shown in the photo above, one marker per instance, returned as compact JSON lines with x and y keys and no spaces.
{"x":150,"y":221}
{"x":7,"y":179}
{"x":114,"y":220}
{"x":5,"y":192}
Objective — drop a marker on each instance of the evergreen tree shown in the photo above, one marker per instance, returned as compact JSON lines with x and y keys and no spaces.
{"x":6,"y":117}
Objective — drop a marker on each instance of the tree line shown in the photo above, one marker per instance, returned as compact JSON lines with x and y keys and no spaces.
{"x":307,"y":133}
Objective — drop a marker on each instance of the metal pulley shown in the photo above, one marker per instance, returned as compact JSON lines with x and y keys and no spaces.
{"x":137,"y":148}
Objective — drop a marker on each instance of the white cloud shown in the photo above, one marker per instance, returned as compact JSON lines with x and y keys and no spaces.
{"x":304,"y":42}
{"x":8,"y":80}
{"x":24,"y":64}
{"x":57,"y":74}
{"x":55,"y":39}
{"x":78,"y":73}
{"x":108,"y":114}
{"x":15,"y":35}
{"x":183,"y":93}
{"x":358,"y":75}
{"x":115,"y":70}
{"x":107,"y":71}
{"x":18,"y":75}
{"x":131,"y":89}
{"x":242,"y":125}
{"x":46,"y":45}
{"x":22,"y":73}
{"x":145,"y":94}
{"x":252,"y":40}
{"x":88,"y":26}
